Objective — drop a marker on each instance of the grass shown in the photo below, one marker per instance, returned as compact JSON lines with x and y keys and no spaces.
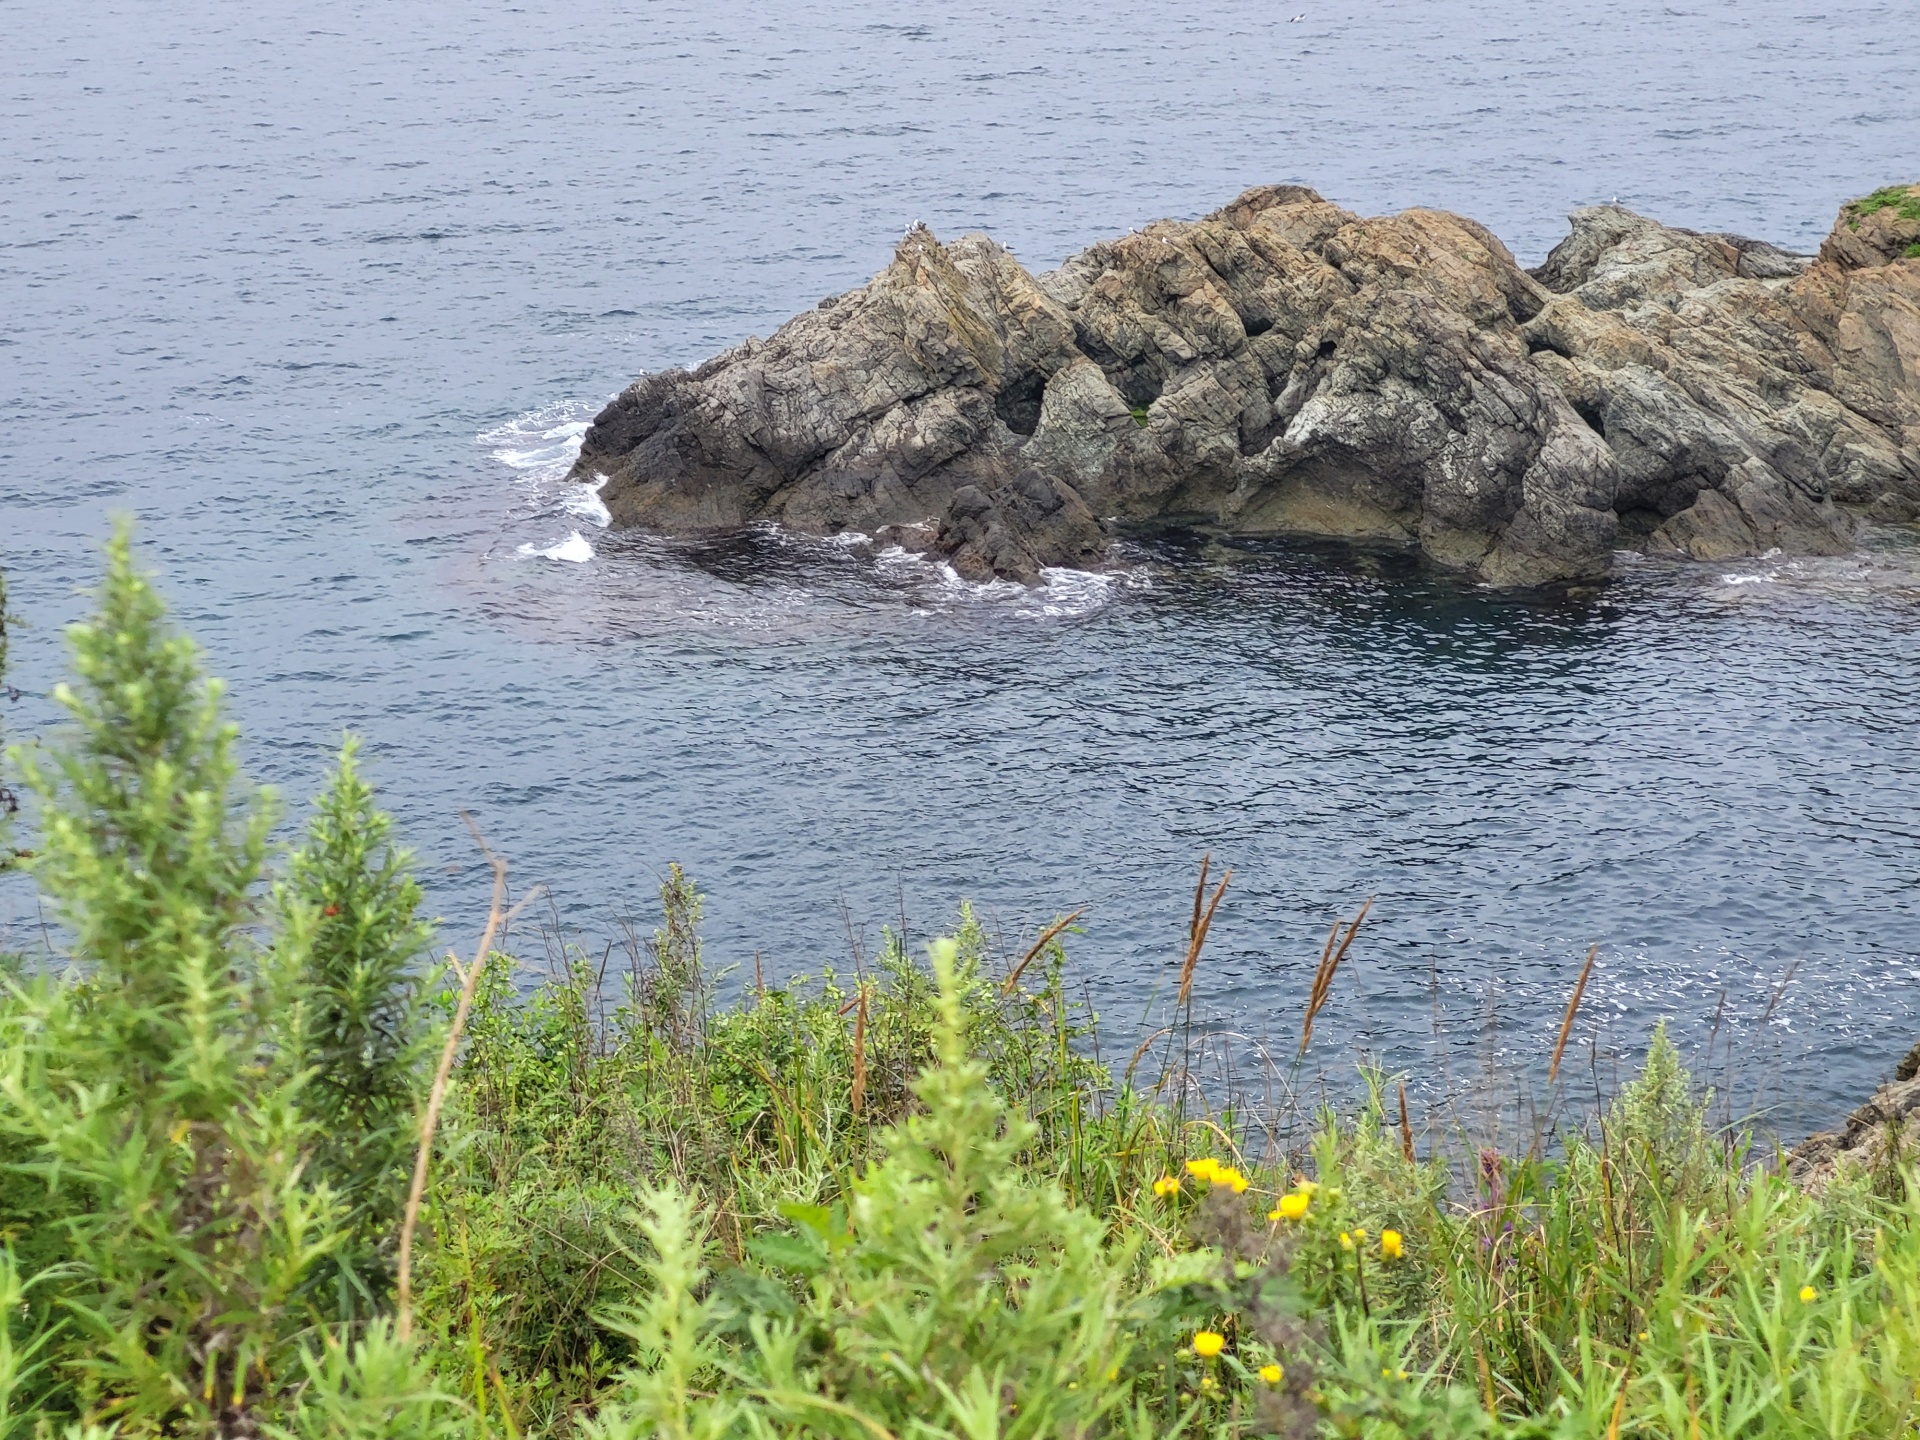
{"x":265,"y":1171}
{"x":1903,"y":200}
{"x":1640,"y":1267}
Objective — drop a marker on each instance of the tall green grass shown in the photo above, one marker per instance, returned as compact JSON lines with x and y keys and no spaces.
{"x":904,"y":1201}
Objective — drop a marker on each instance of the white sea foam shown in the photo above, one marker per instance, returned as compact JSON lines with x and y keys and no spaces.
{"x":1062,"y":593}
{"x":575,"y":550}
{"x":1069,"y":593}
{"x":586,"y":503}
{"x":541,"y":447}
{"x":542,"y":443}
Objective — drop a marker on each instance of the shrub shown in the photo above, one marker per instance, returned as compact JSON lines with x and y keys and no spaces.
{"x":153,"y":1112}
{"x":955,"y":1294}
{"x":140,"y":1093}
{"x":355,"y":1026}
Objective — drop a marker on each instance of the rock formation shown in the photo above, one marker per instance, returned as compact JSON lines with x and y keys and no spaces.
{"x":1284,"y":366}
{"x":1884,"y":1130}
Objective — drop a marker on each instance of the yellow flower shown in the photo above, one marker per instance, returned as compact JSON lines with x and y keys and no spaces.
{"x":1645,"y":1336}
{"x":1390,"y":1244}
{"x":1272,"y":1374}
{"x":1346,"y":1241}
{"x":1808,"y":1294}
{"x":1227,"y":1175}
{"x":1167,"y":1185}
{"x":1359,"y":1232}
{"x":1208,"y":1343}
{"x":1208,"y":1169}
{"x":1291,"y":1207}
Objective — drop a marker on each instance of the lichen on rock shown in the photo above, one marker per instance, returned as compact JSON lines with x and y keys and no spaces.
{"x":1284,"y":366}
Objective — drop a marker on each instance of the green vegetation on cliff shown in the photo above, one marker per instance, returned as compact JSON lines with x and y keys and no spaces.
{"x":1903,"y":200}
{"x":905,"y":1202}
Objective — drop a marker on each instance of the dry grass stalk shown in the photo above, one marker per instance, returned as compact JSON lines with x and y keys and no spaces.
{"x":1199,"y":894}
{"x":1406,"y":1126}
{"x":1142,"y":1048}
{"x":1620,"y":1401}
{"x":1573,"y":1009}
{"x":1197,"y":931}
{"x":860,"y":1056}
{"x":497,"y":915}
{"x":1320,"y":975}
{"x":1330,"y":959}
{"x":1013,"y":978}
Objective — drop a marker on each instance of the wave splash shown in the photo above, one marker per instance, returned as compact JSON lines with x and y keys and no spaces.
{"x":540,"y":447}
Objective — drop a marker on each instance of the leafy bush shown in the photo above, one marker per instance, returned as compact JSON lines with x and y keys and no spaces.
{"x":956,"y":1294}
{"x":355,"y":1023}
{"x":153,"y":1114}
{"x":901,"y":1203}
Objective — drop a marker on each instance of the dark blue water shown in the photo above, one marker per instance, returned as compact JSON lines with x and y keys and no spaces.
{"x":320,"y":294}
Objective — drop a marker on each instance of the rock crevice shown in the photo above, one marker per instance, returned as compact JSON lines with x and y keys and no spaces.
{"x":1284,"y":366}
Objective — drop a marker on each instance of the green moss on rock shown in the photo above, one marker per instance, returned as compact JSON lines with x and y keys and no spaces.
{"x":1903,"y":200}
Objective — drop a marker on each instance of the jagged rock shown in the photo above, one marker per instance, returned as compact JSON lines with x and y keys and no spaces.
{"x":1886,"y":1128}
{"x":1283,"y":366}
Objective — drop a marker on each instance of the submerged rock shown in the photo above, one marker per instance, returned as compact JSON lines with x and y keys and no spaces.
{"x":1284,"y":366}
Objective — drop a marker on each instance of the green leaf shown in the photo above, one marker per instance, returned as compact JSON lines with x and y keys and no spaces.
{"x":816,"y":1218}
{"x":800,"y":1254}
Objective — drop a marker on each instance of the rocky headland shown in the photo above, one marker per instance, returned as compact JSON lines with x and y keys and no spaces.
{"x":1284,"y":366}
{"x":1880,"y":1133}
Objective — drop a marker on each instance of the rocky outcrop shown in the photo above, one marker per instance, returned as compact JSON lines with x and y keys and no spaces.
{"x":1284,"y":366}
{"x":1885,"y":1130}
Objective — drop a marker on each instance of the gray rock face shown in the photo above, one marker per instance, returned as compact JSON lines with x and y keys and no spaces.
{"x":1283,"y":366}
{"x":1884,"y":1130}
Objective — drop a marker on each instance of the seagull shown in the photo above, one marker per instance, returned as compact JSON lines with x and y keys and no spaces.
{"x":1296,"y":19}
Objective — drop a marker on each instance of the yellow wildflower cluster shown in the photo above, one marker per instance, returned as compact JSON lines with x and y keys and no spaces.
{"x":1392,"y":1243}
{"x":1291,"y":1207}
{"x":1214,"y":1173}
{"x":1167,"y":1185}
{"x":1272,"y":1374}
